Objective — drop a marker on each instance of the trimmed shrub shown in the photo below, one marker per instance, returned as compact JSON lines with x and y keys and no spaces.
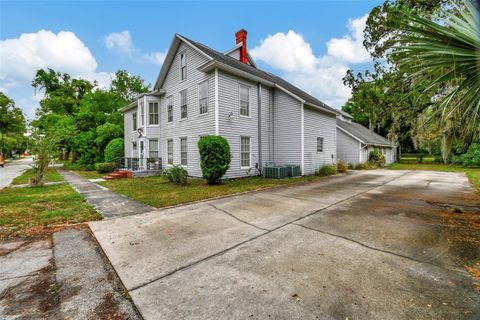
{"x":376,"y":157}
{"x":77,"y":166}
{"x":215,"y":157}
{"x":342,"y":166}
{"x":365,"y":166}
{"x":327,"y":170}
{"x":176,"y":174}
{"x":104,"y":167}
{"x":114,"y":149}
{"x":472,"y":157}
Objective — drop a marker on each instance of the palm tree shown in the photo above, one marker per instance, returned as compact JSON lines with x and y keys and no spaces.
{"x":446,"y":52}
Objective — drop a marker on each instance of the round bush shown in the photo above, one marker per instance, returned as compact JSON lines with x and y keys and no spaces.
{"x":376,"y":157}
{"x":342,"y":166}
{"x":176,"y":174}
{"x":215,"y":157}
{"x":327,"y":170}
{"x":105,"y":167}
{"x":114,"y":149}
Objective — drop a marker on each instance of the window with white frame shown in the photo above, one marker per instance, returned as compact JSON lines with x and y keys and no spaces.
{"x":203,"y":97}
{"x":183,"y":104}
{"x":245,"y":152}
{"x":134,"y":121}
{"x":170,"y":109}
{"x":153,"y":148}
{"x":134,"y":150}
{"x":244,"y":100}
{"x":142,"y":114}
{"x":183,"y":151}
{"x":170,"y":151}
{"x":183,"y":65}
{"x":153,"y":113}
{"x":319,"y":144}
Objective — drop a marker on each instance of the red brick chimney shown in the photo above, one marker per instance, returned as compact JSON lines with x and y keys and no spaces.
{"x":241,"y":37}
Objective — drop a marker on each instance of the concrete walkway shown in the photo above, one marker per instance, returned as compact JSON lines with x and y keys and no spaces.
{"x":374,"y":244}
{"x":108,"y":203}
{"x":13,"y":169}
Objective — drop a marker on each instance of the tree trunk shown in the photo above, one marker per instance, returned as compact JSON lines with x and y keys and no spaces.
{"x":446,"y":147}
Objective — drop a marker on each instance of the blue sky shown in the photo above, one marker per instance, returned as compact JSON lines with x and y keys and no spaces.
{"x":309,"y":43}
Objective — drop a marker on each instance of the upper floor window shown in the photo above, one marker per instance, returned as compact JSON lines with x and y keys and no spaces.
{"x":244,"y":100}
{"x":134,"y":121}
{"x":142,"y":114}
{"x":183,"y":65}
{"x":203,"y":97}
{"x":153,"y":113}
{"x":183,"y":104}
{"x":319,"y":144}
{"x":170,"y":109}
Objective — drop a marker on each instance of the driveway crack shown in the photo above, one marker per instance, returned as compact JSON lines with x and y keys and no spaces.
{"x":379,"y":250}
{"x":235,"y":217}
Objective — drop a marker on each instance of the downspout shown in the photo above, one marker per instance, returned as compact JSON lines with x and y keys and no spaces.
{"x":273,"y":125}
{"x":260,"y":167}
{"x":302,"y":127}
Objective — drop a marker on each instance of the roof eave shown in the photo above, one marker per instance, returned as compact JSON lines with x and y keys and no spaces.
{"x":134,"y":102}
{"x":214,"y":64}
{"x":321,"y":108}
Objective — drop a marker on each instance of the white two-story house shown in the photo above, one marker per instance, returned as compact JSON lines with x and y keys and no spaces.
{"x":200,"y":91}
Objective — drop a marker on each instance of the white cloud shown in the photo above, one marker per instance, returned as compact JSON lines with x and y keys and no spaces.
{"x":64,"y":52}
{"x":350,"y":47}
{"x":122,"y":43}
{"x":321,"y":75}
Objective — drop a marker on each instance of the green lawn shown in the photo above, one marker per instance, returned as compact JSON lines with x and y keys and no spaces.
{"x":52,"y":176}
{"x":159,"y":192}
{"x":30,"y":211}
{"x":473,"y":174}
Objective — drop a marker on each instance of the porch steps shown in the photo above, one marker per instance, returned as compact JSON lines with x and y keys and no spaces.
{"x":118,"y":174}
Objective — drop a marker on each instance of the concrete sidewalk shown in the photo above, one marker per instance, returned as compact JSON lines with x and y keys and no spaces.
{"x":374,"y":244}
{"x":108,"y":203}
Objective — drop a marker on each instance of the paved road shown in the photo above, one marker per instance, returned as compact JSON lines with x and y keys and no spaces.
{"x":13,"y":169}
{"x":371,"y":245}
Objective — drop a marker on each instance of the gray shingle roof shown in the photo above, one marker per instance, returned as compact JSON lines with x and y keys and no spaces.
{"x":362,"y":133}
{"x":232,"y":62}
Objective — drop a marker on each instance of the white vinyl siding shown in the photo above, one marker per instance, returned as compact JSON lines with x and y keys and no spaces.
{"x":183,"y":65}
{"x":170,"y":109}
{"x":203,"y":97}
{"x":170,"y":151}
{"x":244,"y":100}
{"x":319,"y":144}
{"x":245,"y":152}
{"x":134,"y":121}
{"x":183,"y":152}
{"x":183,"y":104}
{"x":153,"y":113}
{"x":153,"y":148}
{"x":348,"y":148}
{"x":318,"y":124}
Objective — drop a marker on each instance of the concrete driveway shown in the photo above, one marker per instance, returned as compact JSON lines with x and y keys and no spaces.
{"x":13,"y":169}
{"x":370,"y":245}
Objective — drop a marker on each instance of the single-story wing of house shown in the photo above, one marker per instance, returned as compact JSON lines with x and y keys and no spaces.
{"x":355,"y":142}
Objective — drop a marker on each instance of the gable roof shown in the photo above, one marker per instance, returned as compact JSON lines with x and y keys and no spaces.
{"x":215,"y":56}
{"x":363,"y":134}
{"x":345,"y":114}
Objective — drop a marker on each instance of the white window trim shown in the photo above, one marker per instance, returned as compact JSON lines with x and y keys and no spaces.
{"x":186,"y":142}
{"x":158,"y":113}
{"x":323,"y":145}
{"x":186,"y":100}
{"x":136,"y":120}
{"x":249,"y":100}
{"x":198,"y":97}
{"x":249,"y":153}
{"x":184,"y":52}
{"x":173,"y":154}
{"x":158,"y":147}
{"x":166,"y":103}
